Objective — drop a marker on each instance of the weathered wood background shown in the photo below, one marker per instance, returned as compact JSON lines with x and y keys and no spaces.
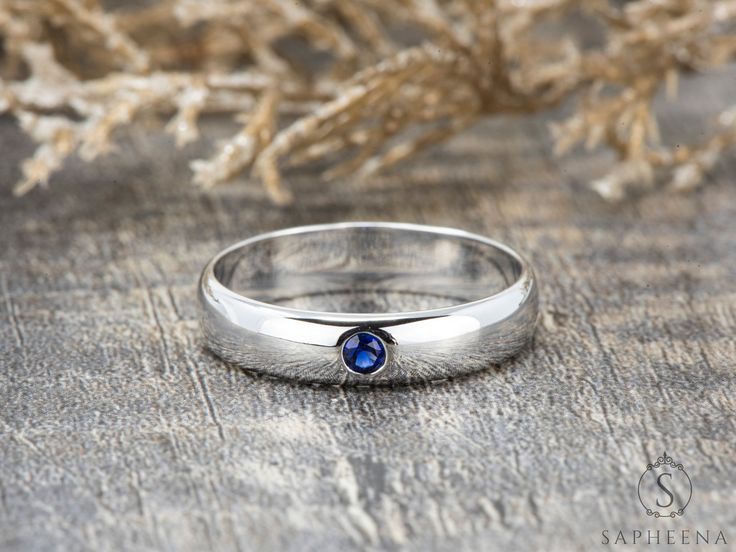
{"x":118,"y":431}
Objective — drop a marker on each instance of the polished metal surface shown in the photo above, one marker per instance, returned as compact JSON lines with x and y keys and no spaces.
{"x":444,"y":301}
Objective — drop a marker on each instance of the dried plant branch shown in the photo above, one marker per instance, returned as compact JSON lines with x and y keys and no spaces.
{"x":366,"y":96}
{"x":238,"y":153}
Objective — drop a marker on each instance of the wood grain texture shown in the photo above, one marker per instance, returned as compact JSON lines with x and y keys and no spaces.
{"x":119,"y":432}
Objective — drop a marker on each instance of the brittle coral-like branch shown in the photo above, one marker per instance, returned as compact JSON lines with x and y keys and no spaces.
{"x":370,"y":82}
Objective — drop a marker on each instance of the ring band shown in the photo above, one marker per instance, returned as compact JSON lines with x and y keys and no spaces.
{"x":367,"y":303}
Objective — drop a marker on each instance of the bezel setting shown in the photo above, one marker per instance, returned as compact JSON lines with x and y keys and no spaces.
{"x":383,"y":353}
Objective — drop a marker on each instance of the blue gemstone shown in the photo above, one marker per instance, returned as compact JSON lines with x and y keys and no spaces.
{"x":364,"y":353}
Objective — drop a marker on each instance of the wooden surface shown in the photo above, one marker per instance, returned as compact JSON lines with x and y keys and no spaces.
{"x":118,"y":431}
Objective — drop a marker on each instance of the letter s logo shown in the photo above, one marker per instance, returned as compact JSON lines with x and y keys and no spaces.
{"x":665,"y":489}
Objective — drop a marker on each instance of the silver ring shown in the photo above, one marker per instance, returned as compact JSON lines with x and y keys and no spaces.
{"x":367,"y":303}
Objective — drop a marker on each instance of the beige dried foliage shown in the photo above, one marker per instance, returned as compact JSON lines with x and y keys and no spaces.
{"x":364,"y":84}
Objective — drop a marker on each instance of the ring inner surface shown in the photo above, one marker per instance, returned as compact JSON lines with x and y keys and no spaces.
{"x":367,"y":270}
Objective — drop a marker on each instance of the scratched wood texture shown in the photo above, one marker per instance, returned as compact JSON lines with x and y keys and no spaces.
{"x":119,"y":432}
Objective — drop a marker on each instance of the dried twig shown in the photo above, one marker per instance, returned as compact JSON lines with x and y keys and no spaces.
{"x":374,"y":99}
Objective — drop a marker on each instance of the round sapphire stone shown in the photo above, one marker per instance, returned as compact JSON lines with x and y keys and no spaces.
{"x":364,"y":353}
